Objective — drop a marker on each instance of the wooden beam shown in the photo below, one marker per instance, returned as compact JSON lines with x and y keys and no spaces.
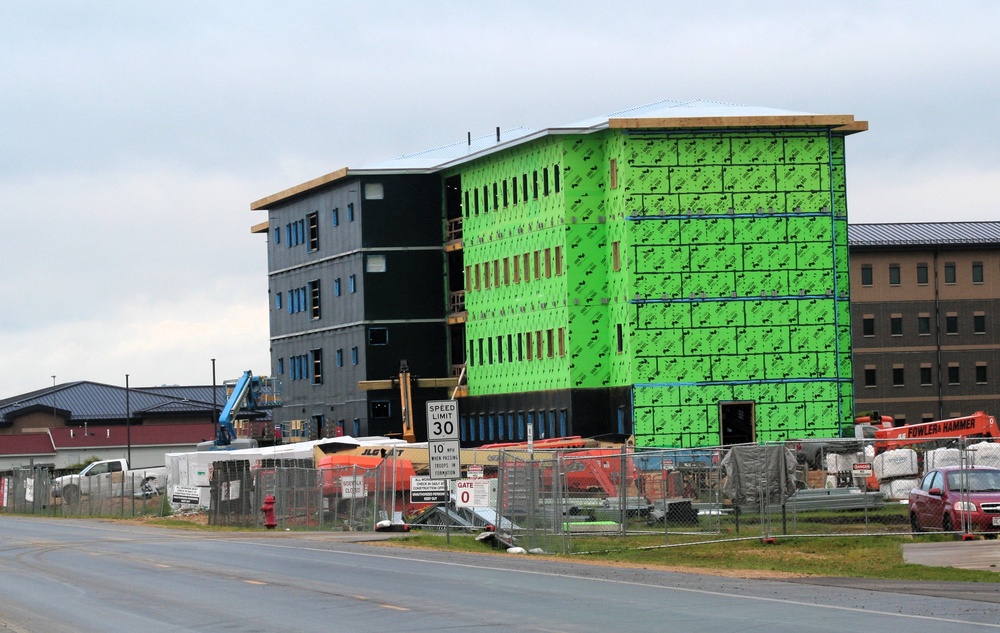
{"x":265,"y":203}
{"x":374,"y":385}
{"x":421,"y":383}
{"x":431,"y":383}
{"x":791,"y":120}
{"x":853,"y":128}
{"x":262,"y":227}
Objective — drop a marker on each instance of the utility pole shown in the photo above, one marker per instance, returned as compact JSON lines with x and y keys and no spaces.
{"x":128,"y":424}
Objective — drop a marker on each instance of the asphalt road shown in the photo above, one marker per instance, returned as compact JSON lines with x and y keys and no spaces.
{"x":982,"y":555}
{"x":86,"y":575}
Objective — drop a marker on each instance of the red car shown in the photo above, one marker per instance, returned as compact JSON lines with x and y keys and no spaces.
{"x":956,"y":498}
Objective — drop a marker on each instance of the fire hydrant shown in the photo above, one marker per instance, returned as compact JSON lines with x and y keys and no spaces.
{"x":268,"y":510}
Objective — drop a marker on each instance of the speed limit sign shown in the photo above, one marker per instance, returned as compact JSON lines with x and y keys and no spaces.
{"x":442,"y":420}
{"x":444,"y":457}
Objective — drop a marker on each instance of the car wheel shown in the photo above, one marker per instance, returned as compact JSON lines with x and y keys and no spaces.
{"x":71,"y":495}
{"x":914,"y":523}
{"x":946,"y":523}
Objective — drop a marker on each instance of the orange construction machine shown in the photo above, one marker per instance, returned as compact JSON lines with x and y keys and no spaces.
{"x":888,"y":437}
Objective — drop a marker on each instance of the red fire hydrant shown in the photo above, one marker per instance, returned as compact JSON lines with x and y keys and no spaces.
{"x":268,"y":510}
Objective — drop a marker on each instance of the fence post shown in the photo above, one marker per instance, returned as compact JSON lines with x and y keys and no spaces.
{"x":622,"y":492}
{"x":664,"y":482}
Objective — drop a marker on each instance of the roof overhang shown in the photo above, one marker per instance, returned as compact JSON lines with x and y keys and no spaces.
{"x":706,"y":115}
{"x":844,"y":123}
{"x":291,"y":192}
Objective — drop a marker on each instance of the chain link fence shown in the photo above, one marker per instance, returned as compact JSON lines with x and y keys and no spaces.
{"x":346,"y":498}
{"x":36,"y":491}
{"x":576,"y":500}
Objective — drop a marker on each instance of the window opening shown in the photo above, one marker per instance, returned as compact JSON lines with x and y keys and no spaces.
{"x":867,"y":279}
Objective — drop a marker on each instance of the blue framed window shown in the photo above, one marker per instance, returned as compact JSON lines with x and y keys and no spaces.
{"x":510,"y":426}
{"x":335,"y":217}
{"x":378,"y":336}
{"x":288,"y":235}
{"x":340,"y":358}
{"x":277,"y":235}
{"x":357,"y":427}
{"x":352,"y":285}
{"x":562,"y":422}
{"x":520,"y":426}
{"x":281,"y":366}
{"x":482,"y":427}
{"x":277,"y":301}
{"x":354,"y":355}
{"x":380,"y":409}
{"x":336,"y":287}
{"x":350,"y":212}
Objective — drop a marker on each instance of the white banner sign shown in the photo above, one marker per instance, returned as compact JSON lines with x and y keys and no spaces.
{"x":472,"y":493}
{"x":352,"y":488}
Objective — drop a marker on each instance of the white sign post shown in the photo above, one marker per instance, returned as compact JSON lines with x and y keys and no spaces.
{"x":444,"y":455}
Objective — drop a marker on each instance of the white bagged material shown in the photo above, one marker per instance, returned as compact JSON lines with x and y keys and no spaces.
{"x":901,"y":462}
{"x":840,"y":463}
{"x":869,"y":452}
{"x":941,"y":457}
{"x":898,"y":488}
{"x":831,"y":462}
{"x":984,"y":454}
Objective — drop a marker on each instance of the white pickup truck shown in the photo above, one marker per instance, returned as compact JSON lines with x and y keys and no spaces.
{"x":110,"y":478}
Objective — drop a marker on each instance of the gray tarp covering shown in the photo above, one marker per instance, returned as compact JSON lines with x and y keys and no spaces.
{"x":752,"y":472}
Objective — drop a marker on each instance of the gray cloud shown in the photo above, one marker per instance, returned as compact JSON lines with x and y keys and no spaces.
{"x":135,"y":135}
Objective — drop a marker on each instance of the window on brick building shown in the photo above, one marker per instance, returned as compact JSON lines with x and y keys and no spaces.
{"x":866,"y":275}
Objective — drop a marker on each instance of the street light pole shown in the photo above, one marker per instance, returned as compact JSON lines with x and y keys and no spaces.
{"x":128,"y":423}
{"x":215,"y":399}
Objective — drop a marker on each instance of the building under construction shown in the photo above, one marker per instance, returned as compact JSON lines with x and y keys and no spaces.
{"x":676,"y":271}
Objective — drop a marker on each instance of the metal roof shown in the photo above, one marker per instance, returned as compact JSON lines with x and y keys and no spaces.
{"x":924,"y":234}
{"x":661,"y":111}
{"x":84,"y":400}
{"x":669,"y":109}
{"x":667,"y":114}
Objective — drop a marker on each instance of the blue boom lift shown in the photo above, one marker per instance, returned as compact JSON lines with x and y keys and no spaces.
{"x":248,"y":393}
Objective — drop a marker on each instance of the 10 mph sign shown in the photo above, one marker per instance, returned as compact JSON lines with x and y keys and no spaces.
{"x":443,"y":440}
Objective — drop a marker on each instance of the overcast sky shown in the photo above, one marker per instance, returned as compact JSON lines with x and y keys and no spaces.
{"x":135,"y":135}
